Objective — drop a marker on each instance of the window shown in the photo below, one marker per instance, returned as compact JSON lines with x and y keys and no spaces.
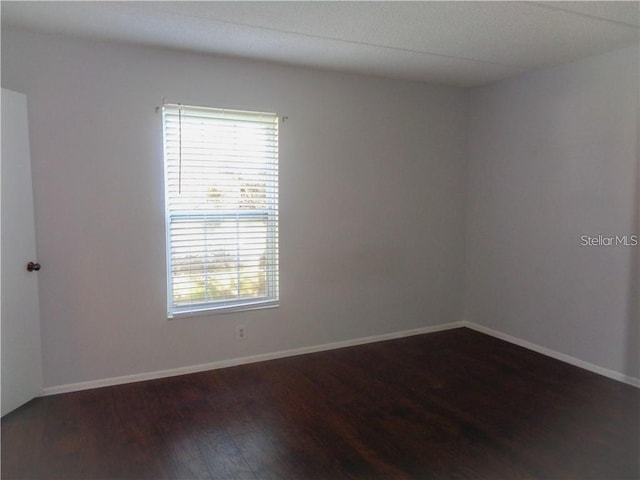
{"x":221,"y":187}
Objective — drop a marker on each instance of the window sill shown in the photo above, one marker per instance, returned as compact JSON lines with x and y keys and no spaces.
{"x":209,"y":311}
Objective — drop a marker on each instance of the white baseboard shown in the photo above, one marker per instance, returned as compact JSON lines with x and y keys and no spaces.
{"x":553,"y":354}
{"x":107,"y":382}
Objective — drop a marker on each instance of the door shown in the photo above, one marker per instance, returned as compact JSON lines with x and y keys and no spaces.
{"x":21,"y":354}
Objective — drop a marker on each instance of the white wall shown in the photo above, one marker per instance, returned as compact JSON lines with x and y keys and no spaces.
{"x":372,"y":203}
{"x":553,"y":156}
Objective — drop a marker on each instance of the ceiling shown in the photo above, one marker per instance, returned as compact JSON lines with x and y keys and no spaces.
{"x":457,"y":43}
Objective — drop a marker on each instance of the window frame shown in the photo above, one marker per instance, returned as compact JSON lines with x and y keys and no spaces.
{"x":270,"y":214}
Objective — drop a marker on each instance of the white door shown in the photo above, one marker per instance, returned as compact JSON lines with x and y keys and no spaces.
{"x":21,"y":353}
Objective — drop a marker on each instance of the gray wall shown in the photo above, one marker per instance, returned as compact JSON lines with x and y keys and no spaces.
{"x":553,"y":155}
{"x":386,"y":187}
{"x":372,"y":203}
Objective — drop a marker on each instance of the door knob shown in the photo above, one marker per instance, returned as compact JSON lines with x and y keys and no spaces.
{"x":33,"y":267}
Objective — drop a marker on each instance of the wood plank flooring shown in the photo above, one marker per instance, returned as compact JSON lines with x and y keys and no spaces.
{"x":447,"y":405}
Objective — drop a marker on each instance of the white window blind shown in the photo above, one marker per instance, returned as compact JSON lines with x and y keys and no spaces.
{"x":221,"y":185}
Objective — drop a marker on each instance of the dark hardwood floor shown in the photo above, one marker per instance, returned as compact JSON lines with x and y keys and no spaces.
{"x":448,"y":405}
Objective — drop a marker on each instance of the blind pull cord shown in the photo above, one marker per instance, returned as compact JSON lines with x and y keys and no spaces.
{"x":179,"y":149}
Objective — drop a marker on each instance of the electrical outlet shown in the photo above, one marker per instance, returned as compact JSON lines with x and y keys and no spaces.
{"x":241,"y":332}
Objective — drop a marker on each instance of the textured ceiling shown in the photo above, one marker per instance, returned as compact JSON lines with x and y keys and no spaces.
{"x":458,"y":43}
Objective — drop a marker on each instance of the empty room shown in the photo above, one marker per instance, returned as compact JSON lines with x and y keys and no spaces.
{"x":320,"y":240}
